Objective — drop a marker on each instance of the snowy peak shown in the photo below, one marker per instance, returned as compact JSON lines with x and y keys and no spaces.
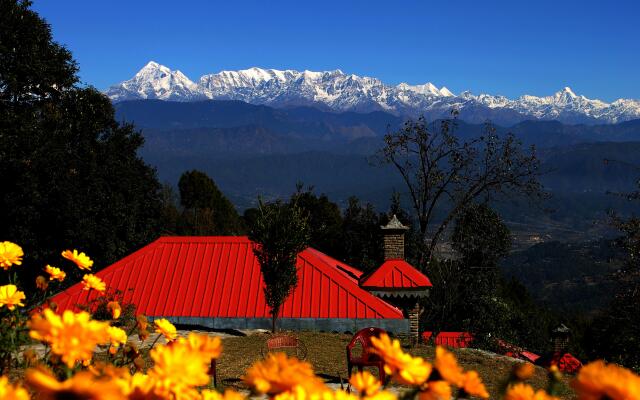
{"x":564,"y":96}
{"x":428,"y":89}
{"x":338,"y":91}
{"x":155,"y":81}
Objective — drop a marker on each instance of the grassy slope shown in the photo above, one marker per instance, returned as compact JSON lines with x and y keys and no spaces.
{"x":327,"y":354}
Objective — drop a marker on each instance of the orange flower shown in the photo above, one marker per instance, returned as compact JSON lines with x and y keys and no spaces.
{"x":207,"y":346}
{"x":82,"y":385}
{"x":521,"y":391}
{"x":55,"y":273}
{"x":138,"y":387}
{"x":472,"y":385}
{"x":436,"y":390}
{"x":115,"y":309}
{"x":10,"y":254}
{"x":143,"y":335}
{"x":166,"y":328}
{"x":365,"y":383}
{"x":448,"y":368}
{"x":301,"y":393}
{"x":80,"y":259}
{"x":278,"y":374}
{"x":72,"y":336}
{"x":524,"y":371}
{"x":91,"y":281}
{"x":598,"y":380}
{"x":13,"y":392}
{"x":11,"y":297}
{"x":382,"y":395}
{"x":141,"y":322}
{"x":42,"y":283}
{"x":405,"y":369}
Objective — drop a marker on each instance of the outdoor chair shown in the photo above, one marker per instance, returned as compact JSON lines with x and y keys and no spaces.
{"x":285,"y":343}
{"x":367,"y":358}
{"x":213,"y":372}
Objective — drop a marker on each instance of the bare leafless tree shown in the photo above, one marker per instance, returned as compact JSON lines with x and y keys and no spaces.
{"x":443,"y":173}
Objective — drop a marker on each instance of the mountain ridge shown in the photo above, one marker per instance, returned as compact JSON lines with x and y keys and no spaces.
{"x":337,"y":91}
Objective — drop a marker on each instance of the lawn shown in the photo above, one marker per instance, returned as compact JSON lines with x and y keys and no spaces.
{"x":326,"y":351}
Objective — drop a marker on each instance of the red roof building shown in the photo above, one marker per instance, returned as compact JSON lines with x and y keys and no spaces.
{"x":396,"y":277}
{"x":216,"y":282}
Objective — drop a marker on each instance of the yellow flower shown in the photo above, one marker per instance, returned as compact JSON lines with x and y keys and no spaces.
{"x":11,"y":297}
{"x":91,"y":281}
{"x":117,"y":336}
{"x":13,"y":392}
{"x":472,"y":384}
{"x":82,"y":260}
{"x":448,"y":368}
{"x":278,"y":373}
{"x":82,"y":385}
{"x":227,"y":395}
{"x":598,"y":380}
{"x":42,"y":283}
{"x":10,"y":254}
{"x":55,"y":273}
{"x":166,"y":328}
{"x":405,"y":369}
{"x":365,"y":383}
{"x":178,"y":369}
{"x":72,"y":336}
{"x":115,"y":309}
{"x":436,"y":390}
{"x":522,"y":391}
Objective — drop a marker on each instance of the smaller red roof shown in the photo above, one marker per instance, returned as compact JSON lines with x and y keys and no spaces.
{"x":396,"y":274}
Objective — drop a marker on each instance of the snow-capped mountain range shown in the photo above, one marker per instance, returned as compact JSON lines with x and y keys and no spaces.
{"x":335,"y":90}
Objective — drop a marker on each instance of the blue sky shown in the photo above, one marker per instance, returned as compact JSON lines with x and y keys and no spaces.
{"x":499,"y":47}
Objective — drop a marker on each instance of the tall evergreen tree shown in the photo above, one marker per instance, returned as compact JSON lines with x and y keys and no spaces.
{"x":361,"y":236}
{"x":206,"y":210}
{"x":70,"y":173}
{"x":325,"y":221}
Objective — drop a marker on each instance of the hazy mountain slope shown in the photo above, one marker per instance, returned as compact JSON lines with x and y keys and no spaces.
{"x":233,"y":126}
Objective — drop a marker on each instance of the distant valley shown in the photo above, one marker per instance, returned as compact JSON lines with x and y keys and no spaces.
{"x":252,"y":150}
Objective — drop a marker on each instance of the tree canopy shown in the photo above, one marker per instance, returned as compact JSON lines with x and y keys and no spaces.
{"x":71,"y":176}
{"x":206,"y":210}
{"x":280,"y":231}
{"x":443,"y":173}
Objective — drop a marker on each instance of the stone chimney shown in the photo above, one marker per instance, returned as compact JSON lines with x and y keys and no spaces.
{"x":561,"y":338}
{"x":393,"y":239}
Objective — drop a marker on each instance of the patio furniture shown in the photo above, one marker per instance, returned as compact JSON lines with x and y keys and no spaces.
{"x":213,"y":372}
{"x":367,"y":357}
{"x":285,"y":343}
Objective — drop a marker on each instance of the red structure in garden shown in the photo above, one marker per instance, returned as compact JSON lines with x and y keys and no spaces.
{"x":216,"y":282}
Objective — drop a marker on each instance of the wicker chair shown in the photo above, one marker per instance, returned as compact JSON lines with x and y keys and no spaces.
{"x":285,"y":343}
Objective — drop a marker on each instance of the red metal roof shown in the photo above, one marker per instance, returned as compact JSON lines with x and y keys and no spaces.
{"x":396,"y":274}
{"x":219,"y":277}
{"x":347,"y":270}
